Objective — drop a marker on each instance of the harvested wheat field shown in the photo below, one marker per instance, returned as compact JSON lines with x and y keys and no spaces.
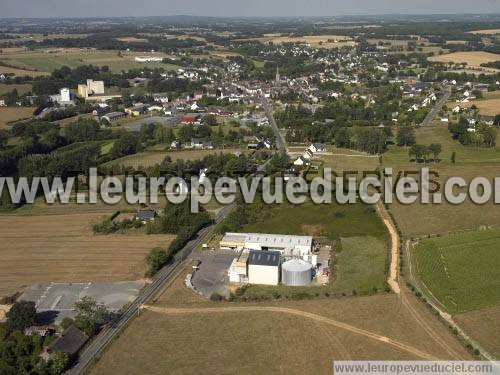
{"x":21,"y":72}
{"x":62,"y":248}
{"x":316,"y":41}
{"x":181,"y":331}
{"x":472,"y":59}
{"x":486,"y":32}
{"x":11,"y":114}
{"x":489,"y":107}
{"x":483,"y":326}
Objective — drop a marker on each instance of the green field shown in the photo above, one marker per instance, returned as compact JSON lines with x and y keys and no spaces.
{"x":47,"y":62}
{"x":331,"y":220}
{"x":151,"y":158}
{"x":397,"y":156}
{"x":361,"y":264}
{"x":21,"y":89}
{"x":461,"y":270}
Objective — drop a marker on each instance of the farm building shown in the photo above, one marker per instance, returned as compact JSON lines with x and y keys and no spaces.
{"x":113,"y":116}
{"x":238,"y":270}
{"x":264,"y":267}
{"x":146,"y":215}
{"x":71,"y":341}
{"x":287,"y":245}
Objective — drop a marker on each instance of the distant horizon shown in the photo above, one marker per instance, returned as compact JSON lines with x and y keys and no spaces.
{"x":67,"y":9}
{"x":257,"y":16}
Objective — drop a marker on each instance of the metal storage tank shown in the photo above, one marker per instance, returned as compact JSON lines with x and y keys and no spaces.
{"x":296,"y":272}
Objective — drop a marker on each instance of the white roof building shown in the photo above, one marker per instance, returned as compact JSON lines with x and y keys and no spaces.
{"x":288,"y":245}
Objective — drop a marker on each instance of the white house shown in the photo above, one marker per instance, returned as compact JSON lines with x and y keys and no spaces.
{"x":307,"y":154}
{"x":300,"y":161}
{"x":264,"y":267}
{"x":456,"y":109}
{"x":317,"y":148}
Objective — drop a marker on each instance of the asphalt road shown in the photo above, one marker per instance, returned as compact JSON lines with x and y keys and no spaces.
{"x":437,"y":107}
{"x":107,"y":334}
{"x":280,"y":140}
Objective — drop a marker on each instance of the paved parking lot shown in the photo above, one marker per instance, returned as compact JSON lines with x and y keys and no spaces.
{"x":55,"y":301}
{"x":212,"y":275}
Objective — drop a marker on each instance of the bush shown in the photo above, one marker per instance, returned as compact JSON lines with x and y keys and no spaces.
{"x":216,"y":297}
{"x":156,"y":259}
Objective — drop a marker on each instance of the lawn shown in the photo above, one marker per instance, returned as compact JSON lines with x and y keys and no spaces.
{"x":461,"y":270}
{"x":361,"y":265}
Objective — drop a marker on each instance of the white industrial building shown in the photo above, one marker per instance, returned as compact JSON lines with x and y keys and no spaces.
{"x":264,"y":267}
{"x":63,"y":98}
{"x":261,"y":254}
{"x":238,"y":270}
{"x":148,"y":59}
{"x":287,"y":245}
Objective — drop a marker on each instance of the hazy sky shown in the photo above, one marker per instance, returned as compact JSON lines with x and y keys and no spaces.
{"x":96,"y":8}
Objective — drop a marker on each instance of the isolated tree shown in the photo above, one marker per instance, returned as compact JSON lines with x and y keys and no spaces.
{"x":21,"y":315}
{"x":489,"y":135}
{"x":453,"y":156}
{"x":405,"y":136}
{"x":156,"y":259}
{"x":418,"y":151}
{"x":90,"y":315}
{"x":435,"y":149}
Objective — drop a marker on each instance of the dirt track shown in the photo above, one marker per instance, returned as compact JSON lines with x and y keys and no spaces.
{"x":314,"y":317}
{"x":392,"y":280}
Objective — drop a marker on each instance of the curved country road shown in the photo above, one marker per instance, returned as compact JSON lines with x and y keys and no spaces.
{"x":304,"y":314}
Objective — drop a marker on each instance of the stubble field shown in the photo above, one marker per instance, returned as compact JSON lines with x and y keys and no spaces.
{"x":472,"y":59}
{"x":62,"y":248}
{"x":304,"y":340}
{"x":9,"y":114}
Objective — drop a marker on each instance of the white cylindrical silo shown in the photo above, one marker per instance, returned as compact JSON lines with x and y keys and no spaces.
{"x":296,"y":272}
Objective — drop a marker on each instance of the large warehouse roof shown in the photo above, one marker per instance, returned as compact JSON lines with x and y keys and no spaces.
{"x":269,"y":240}
{"x":264,"y":258}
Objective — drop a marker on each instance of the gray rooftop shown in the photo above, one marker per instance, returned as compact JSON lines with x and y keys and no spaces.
{"x":264,"y":258}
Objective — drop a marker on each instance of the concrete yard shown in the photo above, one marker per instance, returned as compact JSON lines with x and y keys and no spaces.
{"x":212,"y":275}
{"x":56,"y":301}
